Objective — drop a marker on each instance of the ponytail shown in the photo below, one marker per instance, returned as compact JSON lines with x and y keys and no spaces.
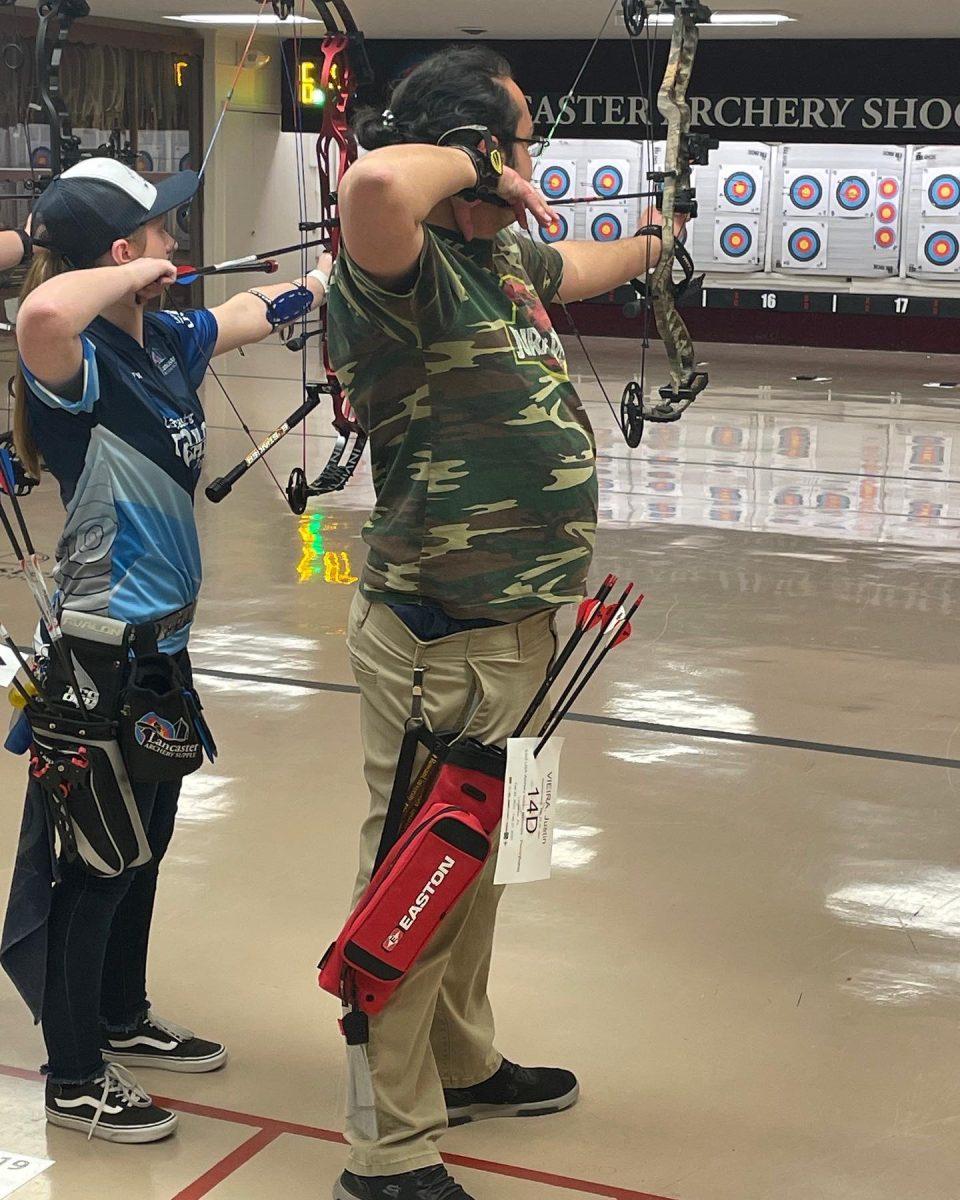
{"x":45,"y":265}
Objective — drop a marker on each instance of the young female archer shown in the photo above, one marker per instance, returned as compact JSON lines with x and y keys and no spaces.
{"x":107,"y":398}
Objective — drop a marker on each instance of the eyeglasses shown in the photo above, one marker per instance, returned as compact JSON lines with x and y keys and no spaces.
{"x":535,"y":146}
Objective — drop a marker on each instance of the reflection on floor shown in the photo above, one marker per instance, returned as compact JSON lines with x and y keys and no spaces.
{"x":749,"y":949}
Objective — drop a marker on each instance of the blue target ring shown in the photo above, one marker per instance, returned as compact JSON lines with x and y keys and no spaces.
{"x":853,"y":193}
{"x":945,"y":192}
{"x":942,"y":248}
{"x":606,"y":228}
{"x":736,"y":241}
{"x":740,"y":189}
{"x":557,"y":231}
{"x":806,"y":192}
{"x":555,"y":182}
{"x":608,"y":182}
{"x":805,"y":245}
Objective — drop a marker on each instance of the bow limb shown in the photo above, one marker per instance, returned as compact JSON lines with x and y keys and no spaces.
{"x":345,"y":68}
{"x":679,"y":197}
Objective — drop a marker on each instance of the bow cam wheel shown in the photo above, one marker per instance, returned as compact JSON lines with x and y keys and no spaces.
{"x":298,"y":491}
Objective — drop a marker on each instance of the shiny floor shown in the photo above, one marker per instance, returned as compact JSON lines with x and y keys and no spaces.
{"x":749,"y":950}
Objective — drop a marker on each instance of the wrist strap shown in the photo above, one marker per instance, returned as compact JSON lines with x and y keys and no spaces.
{"x":27,"y":255}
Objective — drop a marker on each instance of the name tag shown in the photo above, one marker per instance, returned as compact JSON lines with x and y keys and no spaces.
{"x":529,"y":810}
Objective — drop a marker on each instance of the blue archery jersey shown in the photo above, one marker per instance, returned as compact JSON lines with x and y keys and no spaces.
{"x":127,"y":456}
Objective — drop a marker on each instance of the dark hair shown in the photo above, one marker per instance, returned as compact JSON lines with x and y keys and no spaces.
{"x":455,"y":86}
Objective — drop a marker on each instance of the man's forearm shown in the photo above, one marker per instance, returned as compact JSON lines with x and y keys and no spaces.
{"x":592,"y":268}
{"x":418,"y":177}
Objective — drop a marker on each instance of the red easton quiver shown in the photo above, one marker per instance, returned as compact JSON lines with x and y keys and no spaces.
{"x":418,"y":883}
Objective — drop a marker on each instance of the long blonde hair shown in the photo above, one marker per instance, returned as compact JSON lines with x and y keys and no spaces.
{"x":46,"y":264}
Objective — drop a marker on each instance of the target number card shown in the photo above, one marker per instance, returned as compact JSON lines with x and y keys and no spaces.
{"x":529,"y":809}
{"x":18,"y":1169}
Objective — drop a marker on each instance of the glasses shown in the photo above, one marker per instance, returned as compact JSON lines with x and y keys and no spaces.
{"x":535,"y":146}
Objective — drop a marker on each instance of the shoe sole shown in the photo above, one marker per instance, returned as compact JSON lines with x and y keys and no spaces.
{"x":130,"y":1135}
{"x":183,"y":1066}
{"x":489,"y":1112}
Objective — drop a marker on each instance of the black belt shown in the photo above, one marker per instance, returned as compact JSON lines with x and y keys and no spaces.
{"x":152,"y":632}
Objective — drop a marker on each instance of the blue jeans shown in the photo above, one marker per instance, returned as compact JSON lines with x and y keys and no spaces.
{"x":98,"y":933}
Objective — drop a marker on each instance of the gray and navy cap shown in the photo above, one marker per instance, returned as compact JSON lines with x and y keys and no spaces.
{"x":86,"y":209}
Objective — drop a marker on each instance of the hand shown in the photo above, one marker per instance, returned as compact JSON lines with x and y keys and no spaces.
{"x":149,"y":277}
{"x":653,"y":216}
{"x":325,"y":262}
{"x":519,"y":193}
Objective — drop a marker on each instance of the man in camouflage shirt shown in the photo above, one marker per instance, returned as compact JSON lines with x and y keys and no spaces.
{"x":484,"y":524}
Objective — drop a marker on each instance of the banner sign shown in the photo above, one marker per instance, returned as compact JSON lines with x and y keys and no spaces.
{"x":783,"y":90}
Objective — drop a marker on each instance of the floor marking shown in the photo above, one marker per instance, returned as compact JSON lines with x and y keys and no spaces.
{"x":270,"y":1129}
{"x":688,"y":731}
{"x":228,"y":1165}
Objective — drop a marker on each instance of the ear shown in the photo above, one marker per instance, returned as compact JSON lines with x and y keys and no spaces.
{"x":123,"y":251}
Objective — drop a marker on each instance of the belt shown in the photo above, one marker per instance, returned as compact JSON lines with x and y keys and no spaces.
{"x":152,"y":632}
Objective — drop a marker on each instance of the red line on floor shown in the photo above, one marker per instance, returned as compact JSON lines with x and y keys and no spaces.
{"x":226,"y":1166}
{"x":270,"y":1129}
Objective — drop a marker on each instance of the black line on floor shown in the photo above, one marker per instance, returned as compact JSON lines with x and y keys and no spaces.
{"x":688,"y":731}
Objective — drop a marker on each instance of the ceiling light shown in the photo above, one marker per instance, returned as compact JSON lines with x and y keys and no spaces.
{"x":733,"y":20}
{"x":246,"y":19}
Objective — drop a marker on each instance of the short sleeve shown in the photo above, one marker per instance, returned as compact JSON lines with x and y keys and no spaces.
{"x":90,"y":392}
{"x":414,"y":316}
{"x":544,"y":265}
{"x":197,"y":331}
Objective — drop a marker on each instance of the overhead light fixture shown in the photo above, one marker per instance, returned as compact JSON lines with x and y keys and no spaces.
{"x":473,"y":31}
{"x":246,"y":19}
{"x":733,"y":20}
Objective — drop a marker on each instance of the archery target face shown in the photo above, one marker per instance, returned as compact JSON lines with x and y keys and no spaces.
{"x":804,"y":246}
{"x":806,"y":192}
{"x":556,"y":178}
{"x":941,"y":193}
{"x":607,"y":222}
{"x":557,"y":231}
{"x":853,"y":193}
{"x":737,"y":241}
{"x":608,"y":177}
{"x":939,"y":250}
{"x":739,"y":189}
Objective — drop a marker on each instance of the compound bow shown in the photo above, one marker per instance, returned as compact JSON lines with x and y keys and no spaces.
{"x":674,"y":194}
{"x":344,"y":70}
{"x":65,"y":148}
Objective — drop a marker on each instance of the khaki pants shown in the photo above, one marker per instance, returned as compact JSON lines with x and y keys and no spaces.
{"x":438,"y":1029}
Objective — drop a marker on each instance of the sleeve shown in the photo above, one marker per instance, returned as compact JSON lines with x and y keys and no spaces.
{"x":416,"y":315}
{"x":544,"y":266}
{"x":196,"y":330}
{"x":90,"y":392}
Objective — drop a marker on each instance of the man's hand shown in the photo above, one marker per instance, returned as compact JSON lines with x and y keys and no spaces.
{"x":653,"y":216}
{"x":521,"y":195}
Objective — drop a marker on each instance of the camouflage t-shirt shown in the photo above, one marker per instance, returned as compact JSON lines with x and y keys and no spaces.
{"x":484,"y":461}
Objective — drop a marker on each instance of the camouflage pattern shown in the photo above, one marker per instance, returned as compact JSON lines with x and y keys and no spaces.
{"x":484,"y":461}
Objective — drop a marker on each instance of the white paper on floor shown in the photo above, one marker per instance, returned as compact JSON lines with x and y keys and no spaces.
{"x":18,"y":1169}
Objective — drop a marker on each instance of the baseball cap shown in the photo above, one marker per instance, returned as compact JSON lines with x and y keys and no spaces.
{"x":86,"y":209}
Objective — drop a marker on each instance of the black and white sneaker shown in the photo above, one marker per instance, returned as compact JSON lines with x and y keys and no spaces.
{"x":429,"y":1183}
{"x":165,"y":1046}
{"x":513,"y":1092}
{"x":114,"y":1107}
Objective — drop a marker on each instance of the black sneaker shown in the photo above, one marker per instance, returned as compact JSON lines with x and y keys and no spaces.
{"x":429,"y":1183}
{"x":513,"y":1092}
{"x":161,"y":1044}
{"x":114,"y":1107}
